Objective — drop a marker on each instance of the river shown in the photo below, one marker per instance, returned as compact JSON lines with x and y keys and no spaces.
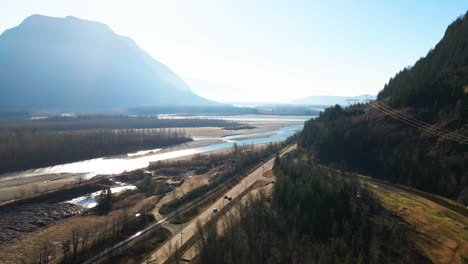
{"x":90,"y":200}
{"x":88,"y":169}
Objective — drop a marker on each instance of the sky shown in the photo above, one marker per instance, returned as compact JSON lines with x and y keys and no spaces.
{"x":267,"y":50}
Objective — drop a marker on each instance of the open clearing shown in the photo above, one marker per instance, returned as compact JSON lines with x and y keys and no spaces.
{"x":440,"y":234}
{"x":22,"y":248}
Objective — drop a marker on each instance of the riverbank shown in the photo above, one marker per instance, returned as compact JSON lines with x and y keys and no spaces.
{"x":37,"y":181}
{"x":259,"y":126}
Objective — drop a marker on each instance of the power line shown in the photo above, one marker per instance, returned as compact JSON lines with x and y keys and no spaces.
{"x":427,"y":127}
{"x":422,"y":123}
{"x":412,"y":123}
{"x":416,"y":124}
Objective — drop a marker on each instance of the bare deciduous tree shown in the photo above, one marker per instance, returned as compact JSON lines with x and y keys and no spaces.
{"x":43,"y":252}
{"x":66,"y":249}
{"x":75,"y":239}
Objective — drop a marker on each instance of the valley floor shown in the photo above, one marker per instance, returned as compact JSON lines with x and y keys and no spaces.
{"x":20,"y":187}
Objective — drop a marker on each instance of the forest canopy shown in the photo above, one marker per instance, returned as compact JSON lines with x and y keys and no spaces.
{"x":440,"y":79}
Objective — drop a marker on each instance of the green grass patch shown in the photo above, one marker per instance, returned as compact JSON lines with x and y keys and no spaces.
{"x":394,"y":202}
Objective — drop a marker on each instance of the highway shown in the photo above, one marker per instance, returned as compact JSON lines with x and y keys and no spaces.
{"x":189,"y":229}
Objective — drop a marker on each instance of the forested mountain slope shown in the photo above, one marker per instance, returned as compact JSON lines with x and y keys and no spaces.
{"x":369,"y":140}
{"x":439,"y":81}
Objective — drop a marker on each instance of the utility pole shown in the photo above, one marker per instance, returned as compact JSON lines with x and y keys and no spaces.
{"x":181,"y":233}
{"x":351,"y":101}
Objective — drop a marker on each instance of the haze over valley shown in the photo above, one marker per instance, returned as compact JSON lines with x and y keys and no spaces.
{"x":233,"y":132}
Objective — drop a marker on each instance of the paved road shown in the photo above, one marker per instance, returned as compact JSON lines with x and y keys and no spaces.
{"x":250,"y":179}
{"x":189,"y":229}
{"x":446,"y":237}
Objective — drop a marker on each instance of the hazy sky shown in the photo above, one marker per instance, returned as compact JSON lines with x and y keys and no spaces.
{"x":255,"y":50}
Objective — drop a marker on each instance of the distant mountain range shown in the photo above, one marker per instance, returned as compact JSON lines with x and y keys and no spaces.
{"x":331,"y":100}
{"x":72,"y":64}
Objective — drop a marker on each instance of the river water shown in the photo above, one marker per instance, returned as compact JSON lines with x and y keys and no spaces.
{"x":90,"y":200}
{"x":87,"y":169}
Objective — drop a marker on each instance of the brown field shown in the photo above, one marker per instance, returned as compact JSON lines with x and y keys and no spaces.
{"x":269,"y":174}
{"x":22,"y":248}
{"x":439,"y":231}
{"x":439,"y":234}
{"x":137,"y":252}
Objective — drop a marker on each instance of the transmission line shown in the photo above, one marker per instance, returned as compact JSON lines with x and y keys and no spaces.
{"x":417,"y":124}
{"x":422,"y":123}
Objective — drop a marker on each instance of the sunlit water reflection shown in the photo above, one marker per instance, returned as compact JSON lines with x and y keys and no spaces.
{"x":118,"y":164}
{"x":91,"y":200}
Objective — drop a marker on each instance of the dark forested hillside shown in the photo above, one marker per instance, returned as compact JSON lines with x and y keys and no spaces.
{"x":313,"y":217}
{"x":387,"y":149}
{"x":375,"y":141}
{"x":439,"y":80}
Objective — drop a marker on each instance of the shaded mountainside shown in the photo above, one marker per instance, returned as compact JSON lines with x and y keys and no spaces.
{"x":365,"y":139}
{"x":73,"y":64}
{"x":439,"y":81}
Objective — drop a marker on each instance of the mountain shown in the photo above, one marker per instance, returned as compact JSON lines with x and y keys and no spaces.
{"x":74,"y":64}
{"x":415,"y":133}
{"x":438,"y":81}
{"x":331,"y":100}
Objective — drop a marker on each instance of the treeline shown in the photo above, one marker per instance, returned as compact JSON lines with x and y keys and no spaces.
{"x":82,"y":122}
{"x":31,"y":148}
{"x":438,"y":81}
{"x":389,"y":150}
{"x":193,"y":110}
{"x":229,"y":166}
{"x":226,"y":110}
{"x":287,"y":110}
{"x":313,"y":217}
{"x":14,"y":114}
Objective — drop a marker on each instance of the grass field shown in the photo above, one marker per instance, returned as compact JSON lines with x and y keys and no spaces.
{"x":440,"y":234}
